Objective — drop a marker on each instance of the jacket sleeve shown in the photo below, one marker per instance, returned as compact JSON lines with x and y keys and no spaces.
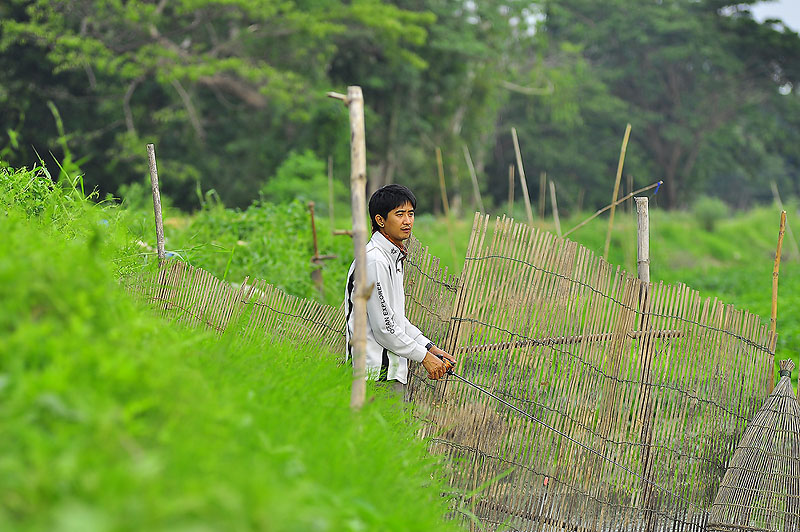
{"x":384,"y":321}
{"x":416,"y":334}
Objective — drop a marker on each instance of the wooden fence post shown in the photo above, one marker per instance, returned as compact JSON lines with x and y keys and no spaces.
{"x":151,"y":155}
{"x":646,"y":351}
{"x":358,"y":192}
{"x":643,"y":240}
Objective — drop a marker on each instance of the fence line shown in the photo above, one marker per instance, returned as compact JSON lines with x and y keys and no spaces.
{"x":194,"y":296}
{"x":652,"y":378}
{"x":628,"y":398}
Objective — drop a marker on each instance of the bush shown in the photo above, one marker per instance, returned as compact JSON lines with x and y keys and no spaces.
{"x":709,"y":211}
{"x":303,"y":177}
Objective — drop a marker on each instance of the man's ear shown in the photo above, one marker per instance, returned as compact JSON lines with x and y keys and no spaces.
{"x":379,"y":220}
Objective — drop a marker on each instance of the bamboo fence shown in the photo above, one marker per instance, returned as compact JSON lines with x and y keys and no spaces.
{"x":635,"y":395}
{"x":255,"y":310}
{"x":629,"y":397}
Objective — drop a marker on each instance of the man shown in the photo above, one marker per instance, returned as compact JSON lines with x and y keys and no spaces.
{"x":391,"y":339}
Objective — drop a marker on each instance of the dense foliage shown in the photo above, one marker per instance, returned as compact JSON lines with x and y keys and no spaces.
{"x":229,"y":91}
{"x":114,"y":419}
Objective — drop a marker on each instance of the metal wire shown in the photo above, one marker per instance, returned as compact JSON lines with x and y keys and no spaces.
{"x":573,"y":440}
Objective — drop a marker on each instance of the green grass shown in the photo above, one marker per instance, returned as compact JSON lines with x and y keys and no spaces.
{"x":114,"y":419}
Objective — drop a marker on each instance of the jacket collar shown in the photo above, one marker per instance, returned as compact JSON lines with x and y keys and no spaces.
{"x":388,"y":247}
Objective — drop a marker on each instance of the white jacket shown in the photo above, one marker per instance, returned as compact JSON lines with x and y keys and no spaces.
{"x":391,"y":338}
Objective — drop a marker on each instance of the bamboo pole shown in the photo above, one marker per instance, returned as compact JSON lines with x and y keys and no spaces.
{"x":330,"y":192}
{"x":358,"y":190}
{"x":151,"y":155}
{"x":604,"y":209}
{"x":773,"y":319}
{"x":555,"y":208}
{"x":475,"y":188}
{"x":622,"y":151}
{"x":511,"y":190}
{"x":629,"y":205}
{"x":442,"y":187}
{"x":522,"y":180}
{"x":792,"y":239}
{"x":542,"y":187}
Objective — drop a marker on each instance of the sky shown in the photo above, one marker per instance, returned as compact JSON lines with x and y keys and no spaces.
{"x":786,"y":10}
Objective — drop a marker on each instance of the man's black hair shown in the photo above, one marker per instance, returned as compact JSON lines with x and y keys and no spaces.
{"x":387,"y":198}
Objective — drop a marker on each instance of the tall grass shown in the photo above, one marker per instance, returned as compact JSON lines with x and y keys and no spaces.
{"x":113,"y":419}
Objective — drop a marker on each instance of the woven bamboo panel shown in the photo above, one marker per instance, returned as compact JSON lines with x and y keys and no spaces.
{"x":634,"y":396}
{"x":194,"y":296}
{"x":761,"y":488}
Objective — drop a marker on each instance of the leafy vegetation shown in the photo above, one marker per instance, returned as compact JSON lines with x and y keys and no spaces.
{"x":116,"y":420}
{"x":233,"y":92}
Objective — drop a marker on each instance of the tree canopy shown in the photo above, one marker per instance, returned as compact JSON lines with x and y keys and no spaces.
{"x":230,"y":91}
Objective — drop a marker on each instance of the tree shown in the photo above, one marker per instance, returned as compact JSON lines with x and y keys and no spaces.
{"x":686,"y":70}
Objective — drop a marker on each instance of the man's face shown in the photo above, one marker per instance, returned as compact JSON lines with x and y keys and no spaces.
{"x":398,"y":223}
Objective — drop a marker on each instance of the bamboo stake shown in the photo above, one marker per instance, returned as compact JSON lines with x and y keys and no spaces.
{"x":442,"y":188}
{"x":773,"y":320}
{"x":475,"y":188}
{"x":522,"y":180}
{"x":542,"y":186}
{"x":555,"y":208}
{"x":616,"y":188}
{"x":358,"y":190}
{"x":792,"y":239}
{"x":511,"y":190}
{"x":330,"y":192}
{"x":151,"y":155}
{"x":629,"y":205}
{"x":604,"y":209}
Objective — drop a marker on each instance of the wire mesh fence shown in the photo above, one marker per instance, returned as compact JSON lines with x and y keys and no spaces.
{"x":614,"y":405}
{"x":626,"y":399}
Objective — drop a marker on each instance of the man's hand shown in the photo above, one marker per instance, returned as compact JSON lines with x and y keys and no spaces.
{"x":441,"y":353}
{"x":436,"y":368}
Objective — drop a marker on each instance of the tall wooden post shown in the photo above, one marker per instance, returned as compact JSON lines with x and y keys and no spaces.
{"x":358,"y":195}
{"x":643,"y":239}
{"x":522,"y":180}
{"x":646,"y":351}
{"x":151,"y":155}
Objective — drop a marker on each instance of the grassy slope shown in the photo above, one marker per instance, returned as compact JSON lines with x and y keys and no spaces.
{"x":115,"y":420}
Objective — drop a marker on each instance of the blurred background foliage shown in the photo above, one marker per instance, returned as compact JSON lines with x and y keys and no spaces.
{"x":233,"y":95}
